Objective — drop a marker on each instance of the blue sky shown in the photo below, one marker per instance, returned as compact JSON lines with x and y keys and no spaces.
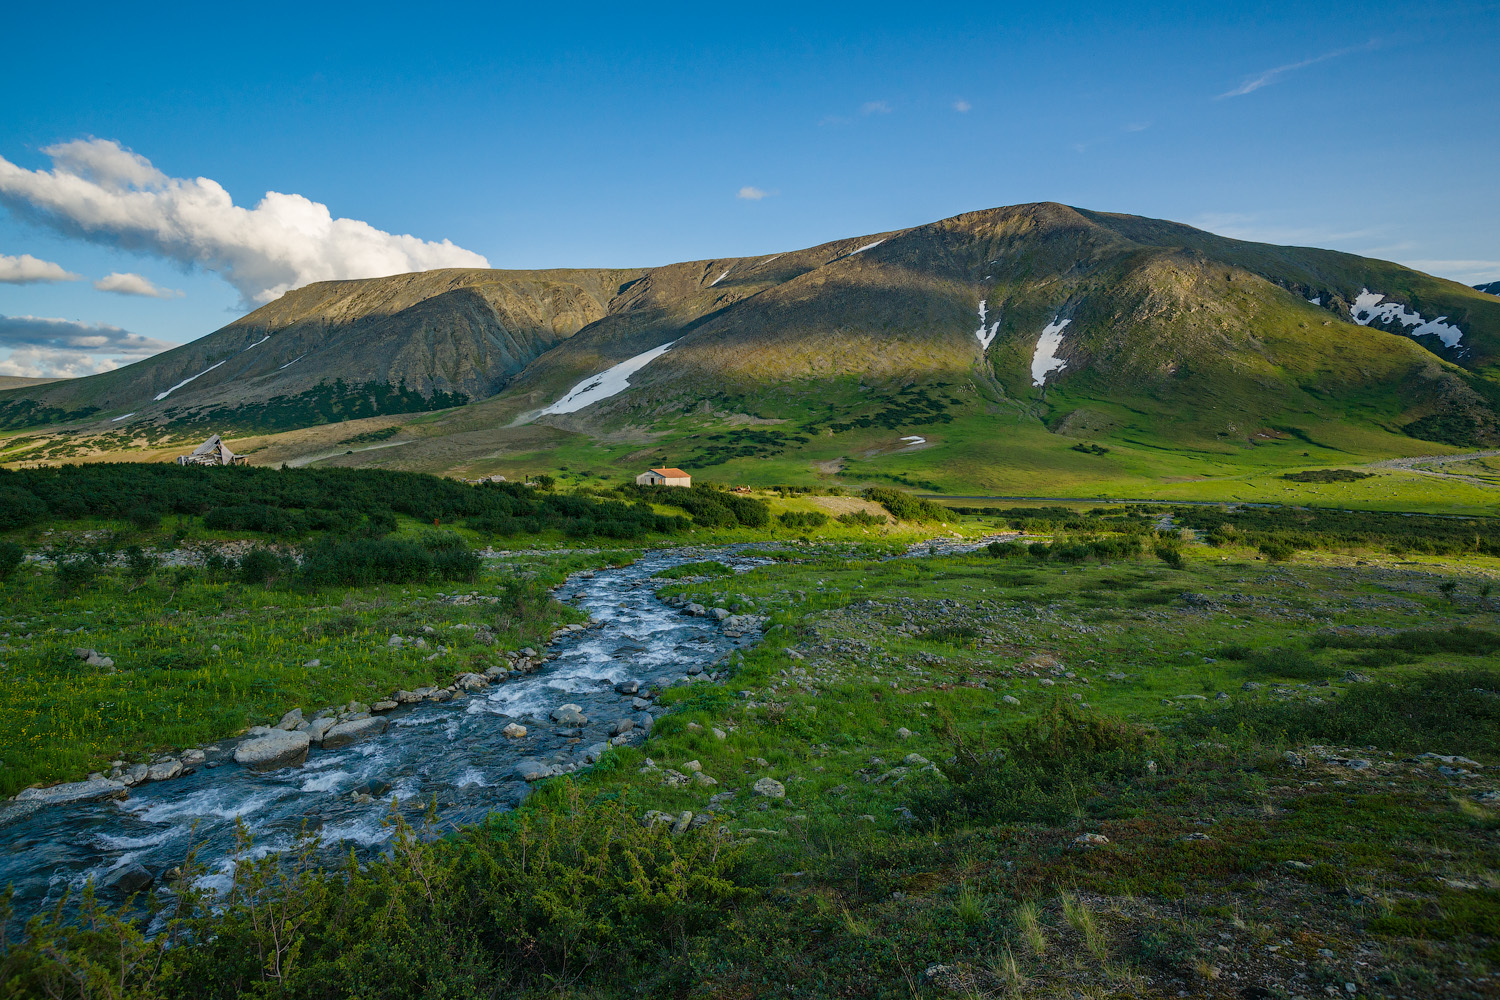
{"x":621,"y":135}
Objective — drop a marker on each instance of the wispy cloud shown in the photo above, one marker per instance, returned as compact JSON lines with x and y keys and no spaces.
{"x":962,"y":106}
{"x":99,"y":191}
{"x":60,"y":348}
{"x":875,"y":108}
{"x":1270,"y":76}
{"x":1470,"y":272}
{"x":27,"y":270}
{"x":751,"y":193}
{"x":1137,"y":126}
{"x":128,"y":283}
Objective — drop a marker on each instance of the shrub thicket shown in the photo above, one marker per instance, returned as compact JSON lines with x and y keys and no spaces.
{"x":905,"y":507}
{"x":802,"y":519}
{"x":287,"y":502}
{"x":1040,"y":772}
{"x":710,"y":508}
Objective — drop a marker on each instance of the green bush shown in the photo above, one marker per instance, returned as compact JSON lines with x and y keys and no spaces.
{"x":1042,"y":772}
{"x":862,"y":519}
{"x":1006,"y":550}
{"x":802,"y":519}
{"x":1171,"y":555}
{"x":11,"y":558}
{"x":1277,"y":549}
{"x":263,"y":567}
{"x":359,"y":562}
{"x":905,"y":507}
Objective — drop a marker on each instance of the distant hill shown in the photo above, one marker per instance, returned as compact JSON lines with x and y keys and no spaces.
{"x":22,"y":382}
{"x":1493,"y":287}
{"x":1079,"y":323}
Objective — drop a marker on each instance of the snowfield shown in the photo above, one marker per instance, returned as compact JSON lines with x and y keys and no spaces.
{"x":1044,"y":360}
{"x":986,"y":337}
{"x":720,"y":277}
{"x":607,"y":383}
{"x":913,"y":440}
{"x":1368,"y":308}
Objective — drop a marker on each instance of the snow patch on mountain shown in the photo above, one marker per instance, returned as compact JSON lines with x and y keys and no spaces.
{"x":610,"y":382}
{"x":163,"y":395}
{"x":1368,"y":307}
{"x":1044,"y":360}
{"x":986,"y":337}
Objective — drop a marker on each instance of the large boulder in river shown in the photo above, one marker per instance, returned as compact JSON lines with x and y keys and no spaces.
{"x":131,"y":878}
{"x":73,"y":791}
{"x":346,"y":733}
{"x":277,"y":748}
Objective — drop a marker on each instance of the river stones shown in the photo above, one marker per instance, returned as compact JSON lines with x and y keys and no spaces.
{"x":569,"y":716}
{"x":628,"y":687}
{"x":470,"y":682}
{"x":621,"y":727}
{"x":73,"y":791}
{"x":290,"y":720}
{"x":318,"y":728}
{"x":346,"y":733}
{"x":513,"y":731}
{"x":535,"y":770}
{"x":277,"y":748}
{"x":163,"y":770}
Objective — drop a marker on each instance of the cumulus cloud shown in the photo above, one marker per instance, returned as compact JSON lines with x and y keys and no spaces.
{"x":751,"y":193}
{"x":26,"y":270}
{"x":61,"y":348}
{"x":875,"y":108}
{"x":134,"y":284}
{"x":962,"y":106}
{"x":100,"y":191}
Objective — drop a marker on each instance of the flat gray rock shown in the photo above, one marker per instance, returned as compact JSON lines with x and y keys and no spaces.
{"x":73,"y":791}
{"x":273,"y":750}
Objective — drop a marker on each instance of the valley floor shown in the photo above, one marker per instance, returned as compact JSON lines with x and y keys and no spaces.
{"x":954,"y":775}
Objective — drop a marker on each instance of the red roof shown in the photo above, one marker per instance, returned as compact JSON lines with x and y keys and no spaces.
{"x":672,"y":473}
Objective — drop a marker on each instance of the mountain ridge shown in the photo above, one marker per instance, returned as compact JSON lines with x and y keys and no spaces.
{"x":1156,"y":328}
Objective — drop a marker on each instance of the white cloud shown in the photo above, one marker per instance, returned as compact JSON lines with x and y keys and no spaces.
{"x":134,"y":284}
{"x":45,"y":348}
{"x":99,"y":191}
{"x":1270,"y":76}
{"x":751,"y":193}
{"x":42,"y":362}
{"x":26,"y":269}
{"x":962,"y":106}
{"x":875,"y":108}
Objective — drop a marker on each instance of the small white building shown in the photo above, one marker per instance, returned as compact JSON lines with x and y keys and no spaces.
{"x":212,"y":452}
{"x":664,"y":477}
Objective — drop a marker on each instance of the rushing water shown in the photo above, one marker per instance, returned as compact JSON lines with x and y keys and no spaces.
{"x":452,"y":751}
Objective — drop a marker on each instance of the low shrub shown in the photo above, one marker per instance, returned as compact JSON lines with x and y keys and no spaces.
{"x":1451,"y":711}
{"x":1042,"y":772}
{"x":905,"y":507}
{"x":862,"y":519}
{"x":802,"y":519}
{"x":11,"y":558}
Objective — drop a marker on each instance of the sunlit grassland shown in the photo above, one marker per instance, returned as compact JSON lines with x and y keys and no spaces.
{"x":170,"y":688}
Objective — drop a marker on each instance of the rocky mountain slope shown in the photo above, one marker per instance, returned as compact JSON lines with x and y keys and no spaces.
{"x":1087,"y":323}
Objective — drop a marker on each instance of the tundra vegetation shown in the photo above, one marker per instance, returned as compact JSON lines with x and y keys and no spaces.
{"x":1123,"y":750}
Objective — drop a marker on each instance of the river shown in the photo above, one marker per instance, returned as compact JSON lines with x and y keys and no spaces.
{"x":453,"y":752}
